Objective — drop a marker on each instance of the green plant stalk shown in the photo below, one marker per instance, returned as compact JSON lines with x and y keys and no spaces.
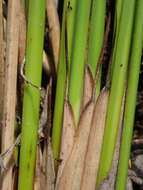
{"x":131,"y":95}
{"x":61,"y":80}
{"x":31,"y":102}
{"x":96,"y":34}
{"x":118,"y":8}
{"x":117,"y":89}
{"x":96,"y":37}
{"x":78,"y":56}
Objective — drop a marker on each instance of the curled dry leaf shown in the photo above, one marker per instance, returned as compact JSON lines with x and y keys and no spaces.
{"x":95,"y":142}
{"x":72,"y":172}
{"x":54,"y":32}
{"x":67,"y":137}
{"x":88,"y":86}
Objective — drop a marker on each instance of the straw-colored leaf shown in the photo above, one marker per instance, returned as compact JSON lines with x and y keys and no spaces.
{"x":10,"y":91}
{"x":54,"y":32}
{"x":22,"y":34}
{"x":95,"y":142}
{"x":50,"y":172}
{"x":37,"y":170}
{"x":67,"y":138}
{"x":72,"y":173}
{"x":1,"y":63}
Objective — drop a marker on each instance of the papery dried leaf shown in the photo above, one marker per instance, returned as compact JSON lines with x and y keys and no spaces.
{"x":95,"y":142}
{"x":67,"y":137}
{"x":72,"y":173}
{"x":54,"y":32}
{"x":6,"y":178}
{"x":50,"y":171}
{"x":88,"y":86}
{"x":22,"y":34}
{"x":37,"y":170}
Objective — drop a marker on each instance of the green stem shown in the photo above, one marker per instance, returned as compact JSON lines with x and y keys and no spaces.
{"x":117,"y":88}
{"x":60,"y":89}
{"x":131,"y":95}
{"x":78,"y":56}
{"x":96,"y":35}
{"x":31,"y":103}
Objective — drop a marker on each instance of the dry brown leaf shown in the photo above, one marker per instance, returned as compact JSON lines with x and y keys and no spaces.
{"x":50,"y":172}
{"x":54,"y":29}
{"x":37,"y":170}
{"x":67,"y":137}
{"x":2,"y":67}
{"x":72,"y":172}
{"x":95,"y":142}
{"x":88,"y":86}
{"x":10,"y":91}
{"x":22,"y":34}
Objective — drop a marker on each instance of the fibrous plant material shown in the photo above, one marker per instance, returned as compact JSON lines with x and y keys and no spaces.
{"x":10,"y":92}
{"x":117,"y":88}
{"x":67,"y":138}
{"x":31,"y":102}
{"x":133,"y":78}
{"x":94,"y":147}
{"x":2,"y":67}
{"x":72,"y":172}
{"x":54,"y":29}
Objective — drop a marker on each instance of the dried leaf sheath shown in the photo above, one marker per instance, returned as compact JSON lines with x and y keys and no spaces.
{"x":95,"y":142}
{"x":72,"y":173}
{"x":67,"y":138}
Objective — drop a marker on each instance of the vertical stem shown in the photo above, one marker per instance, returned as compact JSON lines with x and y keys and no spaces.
{"x":78,"y":56}
{"x":31,"y":102}
{"x":1,"y":66}
{"x":96,"y":35}
{"x":117,"y":88}
{"x":61,"y":81}
{"x":130,"y":106}
{"x":10,"y":92}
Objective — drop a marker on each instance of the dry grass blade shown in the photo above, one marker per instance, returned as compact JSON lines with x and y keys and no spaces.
{"x":1,"y":65}
{"x":54,"y":29}
{"x":10,"y":91}
{"x":67,"y":137}
{"x":22,"y":34}
{"x":72,"y":172}
{"x":95,"y":142}
{"x":37,"y":169}
{"x":50,"y":172}
{"x":88,"y":86}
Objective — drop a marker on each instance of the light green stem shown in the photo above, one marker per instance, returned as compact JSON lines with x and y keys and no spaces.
{"x":60,"y":89}
{"x":78,"y":56}
{"x":31,"y":103}
{"x":117,"y":88}
{"x":131,"y":95}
